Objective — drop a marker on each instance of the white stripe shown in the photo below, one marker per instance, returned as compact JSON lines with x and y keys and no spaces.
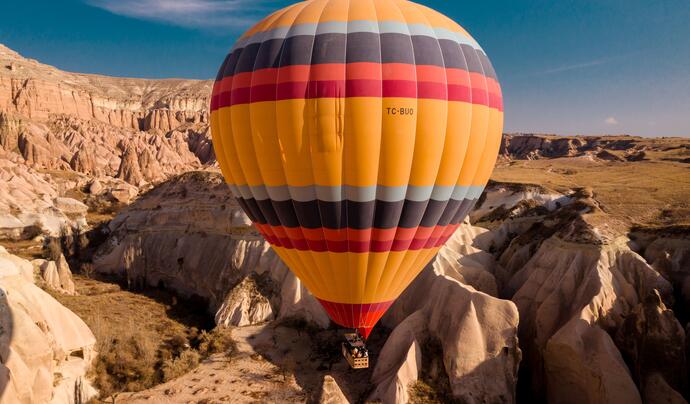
{"x":343,"y":27}
{"x":338,"y":193}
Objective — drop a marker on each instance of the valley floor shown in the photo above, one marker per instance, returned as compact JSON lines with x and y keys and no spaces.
{"x":245,"y":376}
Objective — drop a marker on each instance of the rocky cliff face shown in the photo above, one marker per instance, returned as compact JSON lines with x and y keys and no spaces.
{"x":89,"y":124}
{"x":58,"y":128}
{"x":613,"y":148}
{"x":38,"y":91}
{"x":45,"y":349}
{"x":30,"y":202}
{"x":189,"y":235}
{"x":585,"y":300}
{"x":476,"y":339}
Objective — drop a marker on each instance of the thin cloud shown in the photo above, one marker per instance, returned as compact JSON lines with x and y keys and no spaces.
{"x":611,"y":120}
{"x":588,"y":64}
{"x":577,"y":66}
{"x":189,"y":13}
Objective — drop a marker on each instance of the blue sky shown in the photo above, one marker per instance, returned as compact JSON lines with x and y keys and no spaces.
{"x":567,"y":67}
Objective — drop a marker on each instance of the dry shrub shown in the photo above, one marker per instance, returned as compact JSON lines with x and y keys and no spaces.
{"x":142,"y":340}
{"x":53,"y":248}
{"x":134,"y":361}
{"x":88,"y":270}
{"x":125,"y":364}
{"x":217,"y":341}
{"x":176,"y":367}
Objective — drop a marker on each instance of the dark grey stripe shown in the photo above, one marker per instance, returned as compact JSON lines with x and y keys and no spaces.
{"x":363,"y":47}
{"x":356,"y":215}
{"x":473,"y":63}
{"x":356,"y":47}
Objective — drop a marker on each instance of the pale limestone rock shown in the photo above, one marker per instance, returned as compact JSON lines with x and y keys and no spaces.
{"x":65,"y":121}
{"x":49,"y":274}
{"x":96,"y":187}
{"x":38,"y":337}
{"x":124,"y":193}
{"x":671,"y":256}
{"x":10,"y":128}
{"x":56,"y":275}
{"x":462,"y":260}
{"x":244,"y":305}
{"x":65,"y":276}
{"x":36,"y":91}
{"x":568,"y":294}
{"x":192,"y":223}
{"x":535,"y":146}
{"x":84,"y":162}
{"x":652,"y":341}
{"x":24,"y":268}
{"x":331,"y":393}
{"x":478,"y":337}
{"x":577,"y":284}
{"x":582,"y":364}
{"x":130,"y":170}
{"x":71,"y":207}
{"x":27,"y":203}
{"x":394,"y":373}
{"x":510,"y":198}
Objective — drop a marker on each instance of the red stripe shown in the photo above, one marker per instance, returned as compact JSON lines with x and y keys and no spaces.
{"x":362,"y":316}
{"x":363,"y":79}
{"x":359,"y":241}
{"x":355,"y":88}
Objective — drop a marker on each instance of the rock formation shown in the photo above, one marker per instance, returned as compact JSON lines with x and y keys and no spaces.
{"x":56,"y":275}
{"x":36,"y":91}
{"x":652,"y":342}
{"x":45,"y":349}
{"x":30,"y":203}
{"x":191,"y":236}
{"x":478,"y":338}
{"x":577,"y":283}
{"x":668,"y":251}
{"x":331,"y":393}
{"x":526,"y":146}
{"x":57,"y":125}
{"x":592,"y":311}
{"x":244,"y":305}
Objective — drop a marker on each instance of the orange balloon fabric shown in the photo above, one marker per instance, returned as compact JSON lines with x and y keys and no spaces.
{"x":356,"y":135}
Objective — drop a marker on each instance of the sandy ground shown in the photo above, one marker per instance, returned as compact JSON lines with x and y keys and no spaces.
{"x":263,"y":370}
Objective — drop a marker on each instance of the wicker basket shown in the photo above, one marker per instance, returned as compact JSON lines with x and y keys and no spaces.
{"x":355,"y":363}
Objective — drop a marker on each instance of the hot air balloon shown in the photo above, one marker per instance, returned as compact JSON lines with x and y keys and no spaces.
{"x":356,"y":135}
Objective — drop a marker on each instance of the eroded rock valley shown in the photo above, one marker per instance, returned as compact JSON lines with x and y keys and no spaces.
{"x":561,"y":287}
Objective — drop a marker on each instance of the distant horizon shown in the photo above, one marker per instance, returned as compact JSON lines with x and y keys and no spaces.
{"x":575,"y":68}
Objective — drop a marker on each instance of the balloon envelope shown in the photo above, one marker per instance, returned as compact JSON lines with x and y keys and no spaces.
{"x":356,"y":135}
